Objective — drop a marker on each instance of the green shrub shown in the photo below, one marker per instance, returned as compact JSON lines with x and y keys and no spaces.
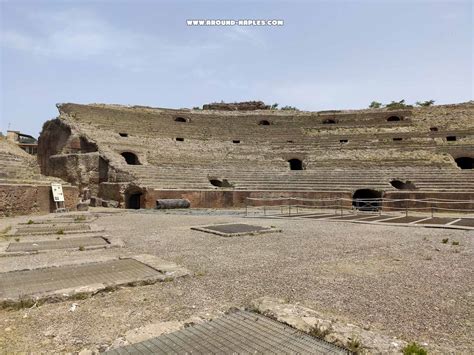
{"x":414,"y":349}
{"x":445,"y":241}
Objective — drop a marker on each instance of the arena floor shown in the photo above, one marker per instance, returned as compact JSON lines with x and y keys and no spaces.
{"x":399,"y":281}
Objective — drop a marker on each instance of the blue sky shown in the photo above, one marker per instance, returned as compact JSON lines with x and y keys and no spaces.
{"x":328,"y":55}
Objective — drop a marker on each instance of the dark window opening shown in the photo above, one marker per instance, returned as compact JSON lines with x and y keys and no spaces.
{"x":180,"y":119}
{"x":400,"y":185}
{"x":130,"y":158}
{"x":264,"y":123}
{"x":434,"y":129}
{"x":236,"y":141}
{"x":367,"y":200}
{"x":393,"y":119}
{"x":329,"y":121}
{"x":465,"y":162}
{"x":295,"y":164}
{"x":397,"y":139}
{"x":451,"y":138}
{"x":220,"y":183}
{"x":343,"y":141}
{"x":134,"y":201}
{"x":180,"y":139}
{"x":289,"y":141}
{"x":123,"y":134}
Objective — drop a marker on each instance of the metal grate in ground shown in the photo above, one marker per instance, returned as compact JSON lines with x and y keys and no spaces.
{"x":235,"y":229}
{"x":66,"y":243}
{"x":239,"y":332}
{"x":468,"y":222}
{"x":16,"y":284}
{"x":52,"y":228}
{"x":436,"y":220}
{"x":408,"y":219}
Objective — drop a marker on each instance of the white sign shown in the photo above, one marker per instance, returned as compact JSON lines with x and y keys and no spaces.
{"x":58,"y":195}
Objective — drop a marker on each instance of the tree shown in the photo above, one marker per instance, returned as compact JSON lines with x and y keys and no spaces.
{"x":425,"y":103}
{"x":375,"y":104}
{"x":397,"y":105}
{"x":289,"y":108}
{"x":274,"y":106}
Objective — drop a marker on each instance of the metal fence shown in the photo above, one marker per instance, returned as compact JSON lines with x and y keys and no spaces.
{"x":298,"y":205}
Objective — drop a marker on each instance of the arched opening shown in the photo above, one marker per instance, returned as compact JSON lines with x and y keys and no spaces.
{"x":394,"y":119}
{"x":465,"y":162}
{"x":295,"y":164}
{"x":343,"y":141}
{"x":133,"y":201}
{"x":400,"y":185}
{"x":236,"y":141}
{"x":367,"y":200}
{"x":181,"y":119}
{"x":179,"y":139}
{"x":264,"y":123}
{"x":123,"y":134}
{"x":329,"y":121}
{"x":130,"y":158}
{"x":451,"y":138}
{"x":397,"y":139}
{"x":220,"y":183}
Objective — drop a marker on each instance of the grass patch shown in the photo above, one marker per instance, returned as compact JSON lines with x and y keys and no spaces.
{"x":81,"y":248}
{"x":17,"y":239}
{"x":60,"y":231}
{"x":455,"y":243}
{"x":30,"y":222}
{"x":79,"y":218}
{"x":414,"y":349}
{"x":445,"y":241}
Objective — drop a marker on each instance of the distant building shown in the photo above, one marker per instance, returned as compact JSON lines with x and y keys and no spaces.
{"x":26,"y":142}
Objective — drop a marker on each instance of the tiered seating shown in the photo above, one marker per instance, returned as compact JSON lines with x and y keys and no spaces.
{"x":18,"y":167}
{"x":360,"y":150}
{"x":172,"y":177}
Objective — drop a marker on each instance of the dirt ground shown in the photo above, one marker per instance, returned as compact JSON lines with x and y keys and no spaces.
{"x":398,"y":281}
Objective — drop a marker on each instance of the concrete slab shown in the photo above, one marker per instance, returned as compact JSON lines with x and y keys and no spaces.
{"x":235,"y":229}
{"x":65,"y":281}
{"x":237,"y":332}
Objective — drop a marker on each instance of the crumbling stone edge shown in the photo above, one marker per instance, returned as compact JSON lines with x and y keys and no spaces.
{"x":169,"y":272}
{"x":349,"y":336}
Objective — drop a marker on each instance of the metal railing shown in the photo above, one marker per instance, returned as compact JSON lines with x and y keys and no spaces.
{"x":296,"y":205}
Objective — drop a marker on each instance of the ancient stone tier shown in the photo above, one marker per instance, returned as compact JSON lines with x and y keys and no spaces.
{"x":23,"y":189}
{"x":218,"y":158}
{"x":237,"y":106}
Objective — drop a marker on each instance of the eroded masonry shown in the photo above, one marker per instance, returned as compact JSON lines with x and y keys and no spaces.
{"x":219,"y":156}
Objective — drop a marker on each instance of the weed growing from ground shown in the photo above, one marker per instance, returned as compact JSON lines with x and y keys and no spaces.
{"x":445,"y":241}
{"x":414,"y":349}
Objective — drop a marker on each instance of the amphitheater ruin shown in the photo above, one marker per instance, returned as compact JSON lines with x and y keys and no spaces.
{"x":343,"y":231}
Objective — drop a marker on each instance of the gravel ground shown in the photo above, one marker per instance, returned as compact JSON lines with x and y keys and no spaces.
{"x":399,"y":281}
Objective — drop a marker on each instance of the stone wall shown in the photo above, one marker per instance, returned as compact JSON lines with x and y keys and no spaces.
{"x":33,"y":199}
